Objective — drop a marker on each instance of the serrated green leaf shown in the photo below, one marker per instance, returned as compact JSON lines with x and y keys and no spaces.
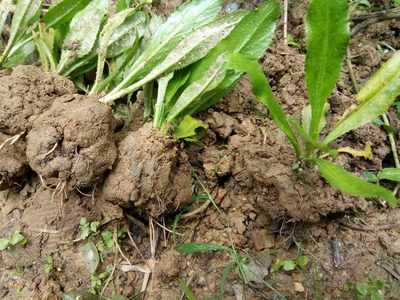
{"x":392,"y":174}
{"x":262,"y":90}
{"x":188,"y":128}
{"x":373,"y":100}
{"x":63,"y":12}
{"x":327,"y":38}
{"x":81,"y":38}
{"x":191,"y":248}
{"x":348,"y":183}
{"x":186,"y":19}
{"x":211,"y":79}
{"x":189,"y":50}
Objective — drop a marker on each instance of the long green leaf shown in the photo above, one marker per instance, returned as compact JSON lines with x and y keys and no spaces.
{"x":262,"y":90}
{"x":251,"y":37}
{"x":179,"y":25}
{"x":211,"y":79}
{"x":26,"y":12}
{"x":392,"y":174}
{"x":191,"y":49}
{"x":327,"y":38}
{"x":339,"y":178}
{"x":81,"y":37}
{"x":63,"y":12}
{"x":191,"y":248}
{"x":374,"y":99}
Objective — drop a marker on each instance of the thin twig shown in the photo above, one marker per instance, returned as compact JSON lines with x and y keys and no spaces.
{"x":285,"y":21}
{"x":374,"y":18}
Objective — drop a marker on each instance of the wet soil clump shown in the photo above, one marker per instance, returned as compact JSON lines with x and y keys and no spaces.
{"x":152,"y":173}
{"x":73,"y":141}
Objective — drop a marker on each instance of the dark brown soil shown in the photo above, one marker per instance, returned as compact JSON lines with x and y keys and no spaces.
{"x":152,"y":173}
{"x":72,"y":141}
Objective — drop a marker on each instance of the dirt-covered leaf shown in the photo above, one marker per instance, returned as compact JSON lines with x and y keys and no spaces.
{"x":348,"y":183}
{"x":24,"y":54}
{"x":327,"y":35}
{"x":262,"y":90}
{"x":392,"y":174}
{"x":189,"y":50}
{"x":210,"y":80}
{"x":180,"y":24}
{"x":81,"y":38}
{"x":375,"y":98}
{"x":191,"y":248}
{"x":126,"y":34}
{"x":63,"y":11}
{"x":17,"y":238}
{"x":159,"y":107}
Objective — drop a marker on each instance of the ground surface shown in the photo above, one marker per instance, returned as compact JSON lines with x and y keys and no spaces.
{"x":267,"y":211}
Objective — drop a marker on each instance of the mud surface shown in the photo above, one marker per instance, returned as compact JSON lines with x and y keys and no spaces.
{"x":151,"y":174}
{"x":155,"y":192}
{"x":72,"y":141}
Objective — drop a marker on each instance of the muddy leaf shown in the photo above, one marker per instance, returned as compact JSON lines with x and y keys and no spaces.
{"x":373,"y":100}
{"x":81,"y":38}
{"x":327,"y":38}
{"x":24,"y":54}
{"x":126,"y":34}
{"x":189,"y":50}
{"x":191,"y":248}
{"x":392,"y":174}
{"x":262,"y":90}
{"x":189,"y":127}
{"x":63,"y":11}
{"x":179,"y":25}
{"x":159,"y":107}
{"x":90,"y":257}
{"x":339,"y":178}
{"x":210,"y":80}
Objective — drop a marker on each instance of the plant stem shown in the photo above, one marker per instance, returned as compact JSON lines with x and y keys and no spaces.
{"x":392,"y":141}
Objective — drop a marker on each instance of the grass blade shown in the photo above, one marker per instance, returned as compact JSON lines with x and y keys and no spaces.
{"x":392,"y":174}
{"x":373,"y":100}
{"x":327,"y":38}
{"x":191,"y":248}
{"x":262,"y":90}
{"x":63,"y":12}
{"x":348,"y":183}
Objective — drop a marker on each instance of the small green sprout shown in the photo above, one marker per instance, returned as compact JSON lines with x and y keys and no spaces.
{"x":17,"y":238}
{"x":301,"y":262}
{"x":48,"y":264}
{"x":87,"y":228}
{"x":370,"y":290}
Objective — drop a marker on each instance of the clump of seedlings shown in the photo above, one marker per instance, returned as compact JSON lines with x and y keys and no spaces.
{"x":327,"y":40}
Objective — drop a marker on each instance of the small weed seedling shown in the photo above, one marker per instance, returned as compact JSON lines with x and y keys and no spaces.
{"x":370,"y":290}
{"x":17,"y":238}
{"x":327,"y":36}
{"x":87,"y":228}
{"x":301,"y":262}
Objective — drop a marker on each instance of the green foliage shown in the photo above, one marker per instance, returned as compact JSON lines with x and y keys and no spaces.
{"x":86,"y":228}
{"x":392,"y":174}
{"x":187,"y":291}
{"x":370,"y":290}
{"x":48,"y":264}
{"x":16,"y":238}
{"x":327,"y":38}
{"x":63,"y":11}
{"x":301,"y":262}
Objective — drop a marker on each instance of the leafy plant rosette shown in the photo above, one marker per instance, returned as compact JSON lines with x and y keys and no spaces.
{"x":327,"y":33}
